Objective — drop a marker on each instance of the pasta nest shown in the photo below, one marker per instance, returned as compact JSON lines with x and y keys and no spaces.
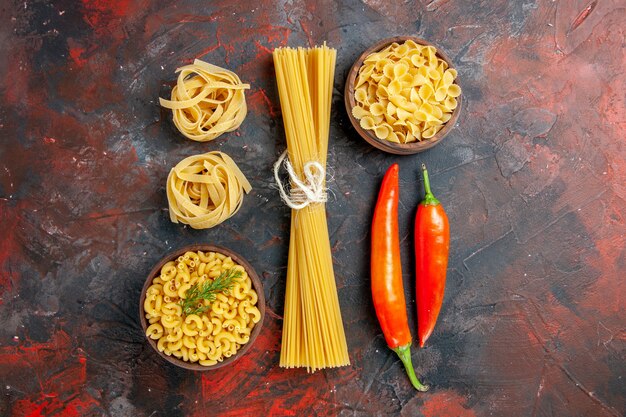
{"x":204,"y":190}
{"x":405,"y":93}
{"x":207,"y":101}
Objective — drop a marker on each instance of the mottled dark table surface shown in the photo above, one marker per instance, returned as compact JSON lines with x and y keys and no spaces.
{"x":533,"y":179}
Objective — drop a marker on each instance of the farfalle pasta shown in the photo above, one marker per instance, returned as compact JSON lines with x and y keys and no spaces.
{"x":216,"y":329}
{"x":405,"y":93}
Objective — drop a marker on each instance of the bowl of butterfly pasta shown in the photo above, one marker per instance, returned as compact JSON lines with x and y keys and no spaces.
{"x":402,"y":95}
{"x":202,"y":307}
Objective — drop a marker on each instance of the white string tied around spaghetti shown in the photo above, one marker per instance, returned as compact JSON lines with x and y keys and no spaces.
{"x":302,"y":193}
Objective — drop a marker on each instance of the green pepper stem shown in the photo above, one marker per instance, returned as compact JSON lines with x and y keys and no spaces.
{"x":429,"y":198}
{"x":404,"y":353}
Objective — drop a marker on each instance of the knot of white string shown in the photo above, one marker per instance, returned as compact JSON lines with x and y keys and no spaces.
{"x":302,"y":192}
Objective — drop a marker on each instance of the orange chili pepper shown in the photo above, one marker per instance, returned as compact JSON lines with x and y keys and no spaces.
{"x":386,"y":270}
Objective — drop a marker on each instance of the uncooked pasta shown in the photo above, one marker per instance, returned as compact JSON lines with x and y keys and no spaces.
{"x":217,"y":323}
{"x":207,"y":101}
{"x":313,"y":333}
{"x":204,"y":190}
{"x":405,"y":93}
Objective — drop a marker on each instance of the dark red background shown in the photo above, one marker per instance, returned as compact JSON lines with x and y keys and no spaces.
{"x":533,"y":322}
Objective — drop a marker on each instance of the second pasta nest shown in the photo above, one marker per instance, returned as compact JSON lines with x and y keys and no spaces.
{"x":405,"y":92}
{"x":204,"y":190}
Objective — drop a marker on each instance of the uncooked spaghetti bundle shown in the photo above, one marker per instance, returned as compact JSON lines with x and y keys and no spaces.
{"x":313,"y":333}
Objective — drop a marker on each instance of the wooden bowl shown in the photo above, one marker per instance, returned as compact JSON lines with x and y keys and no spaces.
{"x":370,"y":137}
{"x":256,"y":284}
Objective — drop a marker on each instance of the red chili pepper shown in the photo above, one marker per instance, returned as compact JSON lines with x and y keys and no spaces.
{"x":432,"y":243}
{"x":387,"y":288}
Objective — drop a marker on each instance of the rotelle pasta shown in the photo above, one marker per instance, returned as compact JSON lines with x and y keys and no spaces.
{"x":405,"y":92}
{"x":216,"y":328}
{"x":207,"y":101}
{"x":204,"y":190}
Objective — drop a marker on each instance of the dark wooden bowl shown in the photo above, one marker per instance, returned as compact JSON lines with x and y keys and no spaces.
{"x":370,"y":137}
{"x":256,"y":284}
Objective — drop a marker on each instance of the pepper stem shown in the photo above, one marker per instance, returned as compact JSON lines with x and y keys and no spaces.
{"x":429,"y":198}
{"x":404,"y":353}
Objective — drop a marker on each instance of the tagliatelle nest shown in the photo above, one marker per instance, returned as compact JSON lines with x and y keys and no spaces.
{"x":204,"y":190}
{"x":207,"y":101}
